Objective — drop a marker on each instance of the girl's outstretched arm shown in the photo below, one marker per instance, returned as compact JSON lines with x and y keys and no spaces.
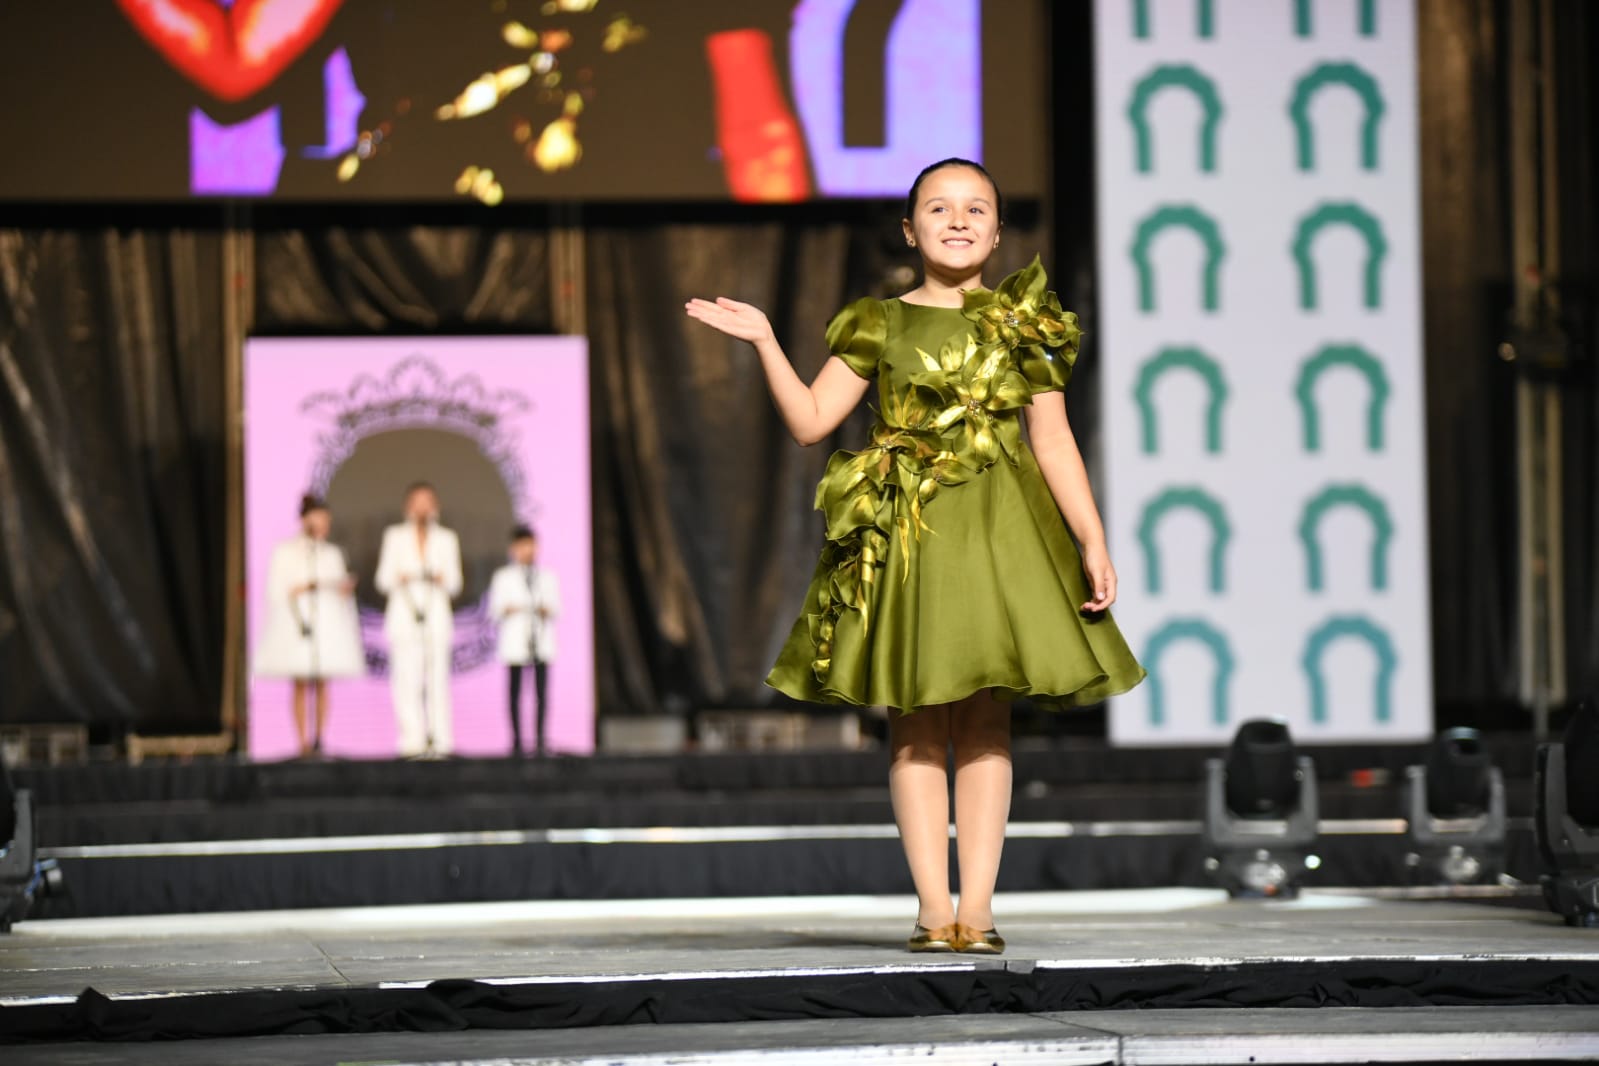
{"x":1062,"y":464}
{"x":811,"y":412}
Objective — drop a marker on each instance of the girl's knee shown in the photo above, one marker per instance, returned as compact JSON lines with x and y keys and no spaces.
{"x":981,"y":722}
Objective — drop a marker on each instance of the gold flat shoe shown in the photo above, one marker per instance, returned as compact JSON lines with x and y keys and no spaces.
{"x":972,"y":942}
{"x":940,"y":939}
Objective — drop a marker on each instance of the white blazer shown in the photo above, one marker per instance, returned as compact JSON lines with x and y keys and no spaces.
{"x":313,"y":633}
{"x":401,"y":558}
{"x":515,"y":596}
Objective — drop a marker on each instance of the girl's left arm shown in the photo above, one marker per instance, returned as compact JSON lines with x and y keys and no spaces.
{"x":1067,"y":478}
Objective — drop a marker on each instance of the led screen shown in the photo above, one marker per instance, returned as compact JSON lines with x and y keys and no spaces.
{"x":759,"y":100}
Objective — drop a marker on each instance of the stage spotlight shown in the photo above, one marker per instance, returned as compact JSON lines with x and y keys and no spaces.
{"x":1455,"y":807}
{"x":22,"y":876}
{"x":1566,"y":819}
{"x":1260,"y":813}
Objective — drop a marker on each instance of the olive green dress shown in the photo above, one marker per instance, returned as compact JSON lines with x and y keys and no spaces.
{"x":947,"y":567}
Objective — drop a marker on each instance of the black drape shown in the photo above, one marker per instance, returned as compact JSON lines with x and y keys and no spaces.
{"x":705,"y":506}
{"x":450,"y":270}
{"x":112,"y":423}
{"x":1468,"y":274}
{"x":1576,"y":44}
{"x":703,"y":524}
{"x":1470,"y":393}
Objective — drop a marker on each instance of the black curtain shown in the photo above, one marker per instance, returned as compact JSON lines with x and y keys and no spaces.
{"x":1469,"y":275}
{"x":402,"y":270}
{"x":1577,"y":44}
{"x":702,"y":517}
{"x":112,"y":423}
{"x":1466,"y":272}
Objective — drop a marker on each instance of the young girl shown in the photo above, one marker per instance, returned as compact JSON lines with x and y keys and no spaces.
{"x":311,"y":630}
{"x":948,"y":584}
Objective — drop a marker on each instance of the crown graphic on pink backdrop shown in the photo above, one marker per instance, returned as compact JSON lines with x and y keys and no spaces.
{"x":417,"y":393}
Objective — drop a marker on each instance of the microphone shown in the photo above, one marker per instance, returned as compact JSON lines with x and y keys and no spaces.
{"x":427,"y":591}
{"x":310,"y":587}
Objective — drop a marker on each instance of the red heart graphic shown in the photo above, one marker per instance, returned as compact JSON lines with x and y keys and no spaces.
{"x":231,"y":53}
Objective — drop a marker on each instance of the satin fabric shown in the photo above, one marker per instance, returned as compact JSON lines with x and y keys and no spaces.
{"x":980,"y":587}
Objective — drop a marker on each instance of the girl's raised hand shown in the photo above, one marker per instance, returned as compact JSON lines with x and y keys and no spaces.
{"x":743,"y":321}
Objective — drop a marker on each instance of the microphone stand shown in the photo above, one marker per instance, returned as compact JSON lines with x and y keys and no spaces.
{"x":531,"y":671}
{"x":309,"y":628}
{"x":422,"y":611}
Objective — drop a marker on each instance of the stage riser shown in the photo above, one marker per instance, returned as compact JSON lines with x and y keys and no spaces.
{"x":452,"y":1006}
{"x":1067,"y":764}
{"x":168,"y":884}
{"x":80,"y":825}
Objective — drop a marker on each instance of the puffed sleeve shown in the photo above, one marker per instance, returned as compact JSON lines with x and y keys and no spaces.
{"x":1047,"y":369}
{"x":856,"y":335}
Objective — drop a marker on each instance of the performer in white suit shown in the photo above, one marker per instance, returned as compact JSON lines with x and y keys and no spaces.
{"x":524,"y":601}
{"x":311,"y":632}
{"x":419,"y":570}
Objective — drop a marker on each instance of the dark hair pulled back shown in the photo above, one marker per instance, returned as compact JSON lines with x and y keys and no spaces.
{"x":953,"y":161}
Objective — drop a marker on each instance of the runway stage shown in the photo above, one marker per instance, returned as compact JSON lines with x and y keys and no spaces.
{"x":1340,"y":976}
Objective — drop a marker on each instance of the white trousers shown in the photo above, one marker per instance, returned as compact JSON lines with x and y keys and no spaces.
{"x":419,"y":677}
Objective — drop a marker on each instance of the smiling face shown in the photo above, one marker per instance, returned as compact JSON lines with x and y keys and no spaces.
{"x":955,"y":224}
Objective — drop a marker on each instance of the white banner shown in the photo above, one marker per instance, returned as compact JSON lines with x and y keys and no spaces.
{"x":1260,"y":331}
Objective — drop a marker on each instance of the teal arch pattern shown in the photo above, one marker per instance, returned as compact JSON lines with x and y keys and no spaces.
{"x":1319,"y":78}
{"x":1204,"y":18}
{"x":1364,"y":223}
{"x":1174,"y":76}
{"x":1163,"y":362}
{"x":1203,"y":226}
{"x":1382,"y":646}
{"x":1368,"y":18}
{"x":1364,"y":363}
{"x":1180,"y":629}
{"x":1207,"y":506}
{"x":1382,"y":526}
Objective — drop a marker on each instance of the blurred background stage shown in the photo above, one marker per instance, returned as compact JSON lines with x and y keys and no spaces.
{"x":1335,"y":264}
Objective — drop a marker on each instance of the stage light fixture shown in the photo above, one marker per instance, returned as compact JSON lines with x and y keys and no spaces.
{"x":1455,"y":811}
{"x":1566,"y":819}
{"x":1261,"y":813}
{"x":22,"y":876}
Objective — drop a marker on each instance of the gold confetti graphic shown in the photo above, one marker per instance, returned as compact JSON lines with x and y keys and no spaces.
{"x":519,"y":36}
{"x":479,"y":182}
{"x":542,"y":93}
{"x":620,"y":33}
{"x":557,"y":147}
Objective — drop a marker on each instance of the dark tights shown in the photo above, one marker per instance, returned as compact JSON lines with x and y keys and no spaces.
{"x":541,"y":676}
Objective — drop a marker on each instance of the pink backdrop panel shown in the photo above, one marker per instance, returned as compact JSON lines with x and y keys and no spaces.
{"x":511,"y":414}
